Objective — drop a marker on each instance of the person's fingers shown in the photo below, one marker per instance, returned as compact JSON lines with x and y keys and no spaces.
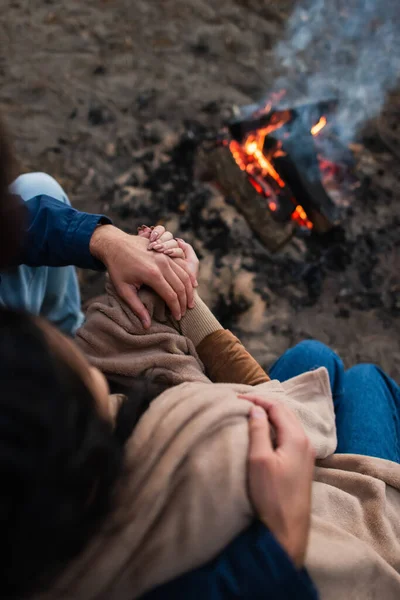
{"x":177,"y":279}
{"x":130,"y":295}
{"x":189,"y":268}
{"x":289,"y":430}
{"x":184,"y":245}
{"x":157,"y":233}
{"x":175,"y":253}
{"x":188,"y":249}
{"x":168,"y":293}
{"x":161,"y":247}
{"x":168,"y":245}
{"x":185,"y":278}
{"x":191,"y":259}
{"x":260,"y":462}
{"x":166,"y":237}
{"x":260,"y":443}
{"x":144,"y":232}
{"x":256,"y":399}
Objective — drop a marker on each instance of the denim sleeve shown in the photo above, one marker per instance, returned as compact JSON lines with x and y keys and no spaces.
{"x":59,"y":235}
{"x":254,"y":566}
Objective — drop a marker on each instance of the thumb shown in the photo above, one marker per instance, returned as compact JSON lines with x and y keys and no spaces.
{"x":130,"y":294}
{"x":187,"y":248}
{"x":144,"y":232}
{"x":260,"y":440}
{"x":191,"y":259}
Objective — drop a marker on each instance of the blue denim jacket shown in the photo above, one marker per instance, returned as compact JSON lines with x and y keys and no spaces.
{"x":59,"y":235}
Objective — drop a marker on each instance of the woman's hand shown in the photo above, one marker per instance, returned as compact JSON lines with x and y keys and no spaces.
{"x":174,"y":248}
{"x":191,"y":259}
{"x":280,"y":478}
{"x":161,"y":241}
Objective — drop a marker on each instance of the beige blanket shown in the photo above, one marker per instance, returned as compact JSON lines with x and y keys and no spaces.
{"x":184,"y":496}
{"x":115,"y":341}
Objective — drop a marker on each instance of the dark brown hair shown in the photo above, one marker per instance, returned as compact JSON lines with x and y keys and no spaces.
{"x":59,"y":459}
{"x":12,"y":211}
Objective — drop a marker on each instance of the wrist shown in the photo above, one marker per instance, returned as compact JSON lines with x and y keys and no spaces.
{"x":292,"y":550}
{"x":199,"y":322}
{"x":101,"y":241}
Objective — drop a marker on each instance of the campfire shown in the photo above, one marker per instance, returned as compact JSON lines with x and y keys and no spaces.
{"x":284,"y":167}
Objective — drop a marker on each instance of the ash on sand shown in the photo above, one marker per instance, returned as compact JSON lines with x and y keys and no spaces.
{"x":113,"y":102}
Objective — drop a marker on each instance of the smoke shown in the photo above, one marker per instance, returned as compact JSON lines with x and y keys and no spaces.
{"x":347,"y":49}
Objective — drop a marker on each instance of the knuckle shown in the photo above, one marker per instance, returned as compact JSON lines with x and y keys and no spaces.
{"x":172,"y":296}
{"x":259,"y":460}
{"x":161,"y":260}
{"x":302,"y":442}
{"x":154,"y":272}
{"x":274,"y":408}
{"x":256,"y":426}
{"x":185,"y":277}
{"x":121,"y":289}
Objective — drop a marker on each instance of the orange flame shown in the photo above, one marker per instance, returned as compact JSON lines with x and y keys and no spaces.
{"x":252,"y":149}
{"x":319,"y":126}
{"x":300,"y":216}
{"x":250,"y":158}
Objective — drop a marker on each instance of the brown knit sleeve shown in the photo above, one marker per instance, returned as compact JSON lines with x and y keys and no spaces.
{"x":226,"y":360}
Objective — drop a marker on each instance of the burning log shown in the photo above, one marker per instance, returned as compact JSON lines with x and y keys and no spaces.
{"x":216,"y":163}
{"x":268,"y":116}
{"x":273,"y":164}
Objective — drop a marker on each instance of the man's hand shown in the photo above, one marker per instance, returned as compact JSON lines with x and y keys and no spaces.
{"x":280,"y":478}
{"x":131,"y":265}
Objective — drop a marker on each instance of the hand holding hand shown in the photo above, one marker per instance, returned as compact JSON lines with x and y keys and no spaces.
{"x":161,"y":240}
{"x":280,"y":478}
{"x":130,"y":266}
{"x":173,"y":247}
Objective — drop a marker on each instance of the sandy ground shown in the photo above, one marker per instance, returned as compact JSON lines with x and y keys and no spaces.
{"x":89,"y":87}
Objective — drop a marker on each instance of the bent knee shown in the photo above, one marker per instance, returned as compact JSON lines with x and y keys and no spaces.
{"x":315,"y":354}
{"x":312,"y":348}
{"x":30,"y":185}
{"x":365,"y":371}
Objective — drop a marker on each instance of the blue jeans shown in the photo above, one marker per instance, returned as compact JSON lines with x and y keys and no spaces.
{"x":366,"y":400}
{"x":52,"y":292}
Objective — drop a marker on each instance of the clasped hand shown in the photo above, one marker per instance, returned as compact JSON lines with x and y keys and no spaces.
{"x":152,"y":258}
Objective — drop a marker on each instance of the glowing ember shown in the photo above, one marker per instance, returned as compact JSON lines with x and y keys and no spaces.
{"x":273,"y":206}
{"x":300,"y":216}
{"x":319,"y":126}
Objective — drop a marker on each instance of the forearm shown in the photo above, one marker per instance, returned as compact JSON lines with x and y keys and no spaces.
{"x":58,"y":235}
{"x":225,"y":359}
